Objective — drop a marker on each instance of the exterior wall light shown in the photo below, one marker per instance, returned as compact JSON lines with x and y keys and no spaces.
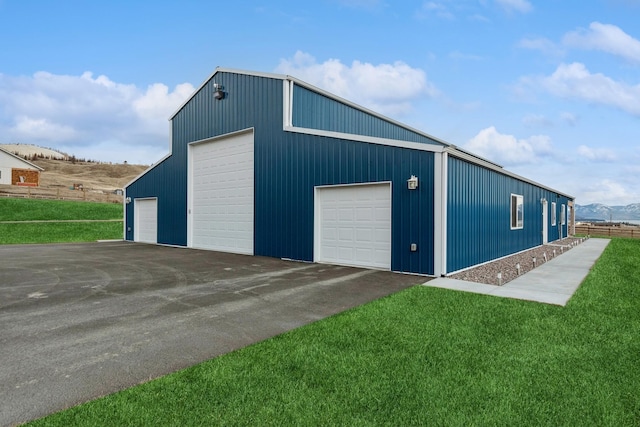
{"x":412,"y":183}
{"x":127,"y":200}
{"x":218,"y":91}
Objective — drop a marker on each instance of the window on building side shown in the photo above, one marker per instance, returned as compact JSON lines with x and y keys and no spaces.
{"x":517,"y":211}
{"x":553,"y":213}
{"x":563,"y":215}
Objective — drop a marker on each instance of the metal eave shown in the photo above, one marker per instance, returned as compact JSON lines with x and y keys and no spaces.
{"x":363,"y":109}
{"x":368,"y":139}
{"x":461,"y":154}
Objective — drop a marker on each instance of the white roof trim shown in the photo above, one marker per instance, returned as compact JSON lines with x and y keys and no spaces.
{"x":490,"y":165}
{"x":21,"y":159}
{"x":363,"y":109}
{"x":166,"y":156}
{"x":368,"y":139}
{"x":288,"y":95}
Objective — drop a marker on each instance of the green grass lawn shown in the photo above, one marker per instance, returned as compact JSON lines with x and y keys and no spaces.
{"x":35,"y":209}
{"x":58,"y":210}
{"x":424,"y":356}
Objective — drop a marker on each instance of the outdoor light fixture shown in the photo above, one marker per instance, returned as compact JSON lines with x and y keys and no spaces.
{"x":218,"y":91}
{"x":127,"y":200}
{"x":412,"y":183}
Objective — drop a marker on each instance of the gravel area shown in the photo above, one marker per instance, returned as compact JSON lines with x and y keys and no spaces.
{"x":488,"y":273}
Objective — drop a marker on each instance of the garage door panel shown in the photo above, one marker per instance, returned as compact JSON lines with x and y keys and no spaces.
{"x":145,"y":220}
{"x":354,"y":225}
{"x":222,"y":194}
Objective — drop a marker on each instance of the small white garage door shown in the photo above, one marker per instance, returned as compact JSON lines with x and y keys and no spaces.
{"x":353,"y":225}
{"x":145,"y":220}
{"x":221,"y":194}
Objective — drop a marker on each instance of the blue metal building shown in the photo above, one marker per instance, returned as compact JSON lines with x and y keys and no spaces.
{"x":266,"y":164}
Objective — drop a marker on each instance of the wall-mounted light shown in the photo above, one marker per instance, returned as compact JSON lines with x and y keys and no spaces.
{"x":412,"y":183}
{"x":127,"y":200}
{"x":218,"y":91}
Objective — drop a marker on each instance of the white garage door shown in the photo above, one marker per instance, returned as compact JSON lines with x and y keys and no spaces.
{"x":221,"y":194}
{"x":353,"y":225}
{"x":145,"y":220}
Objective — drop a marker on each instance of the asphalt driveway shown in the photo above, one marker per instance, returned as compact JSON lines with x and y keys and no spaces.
{"x":78,"y":321}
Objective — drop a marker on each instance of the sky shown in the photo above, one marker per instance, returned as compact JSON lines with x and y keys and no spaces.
{"x":550,"y":89}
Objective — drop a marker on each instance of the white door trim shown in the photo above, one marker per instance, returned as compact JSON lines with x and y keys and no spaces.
{"x":545,"y":220}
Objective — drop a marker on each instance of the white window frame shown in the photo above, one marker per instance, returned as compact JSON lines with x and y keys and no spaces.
{"x":516,"y":223}
{"x":553,"y":214}
{"x":563,"y":214}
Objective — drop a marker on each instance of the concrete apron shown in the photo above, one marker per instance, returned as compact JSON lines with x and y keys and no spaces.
{"x":554,"y":282}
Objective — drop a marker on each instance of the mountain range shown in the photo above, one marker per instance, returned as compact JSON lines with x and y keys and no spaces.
{"x":597,"y":211}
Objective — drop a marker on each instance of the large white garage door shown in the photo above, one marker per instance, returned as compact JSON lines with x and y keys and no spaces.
{"x":221,"y":194}
{"x":145,"y":212}
{"x":353,"y":225}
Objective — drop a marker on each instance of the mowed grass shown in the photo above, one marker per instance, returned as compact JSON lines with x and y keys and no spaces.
{"x":26,"y":210}
{"x":59,"y":210}
{"x":424,"y":356}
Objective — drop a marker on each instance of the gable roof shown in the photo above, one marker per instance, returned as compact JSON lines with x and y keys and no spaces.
{"x":27,"y":163}
{"x":449,"y":148}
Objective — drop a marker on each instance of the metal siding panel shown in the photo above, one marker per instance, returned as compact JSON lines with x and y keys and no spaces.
{"x":250,"y":101}
{"x":299,"y":162}
{"x":289,"y":165}
{"x":478,"y":225}
{"x":315,"y":111}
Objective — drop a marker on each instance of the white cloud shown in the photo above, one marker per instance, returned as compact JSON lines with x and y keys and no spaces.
{"x":596,"y":154}
{"x":77,"y":112}
{"x":522,"y":6}
{"x":575,"y":81}
{"x":508,"y":150}
{"x":386,"y":88}
{"x":38,"y":129}
{"x":543,"y":45}
{"x":607,"y":38}
{"x":608,"y":192}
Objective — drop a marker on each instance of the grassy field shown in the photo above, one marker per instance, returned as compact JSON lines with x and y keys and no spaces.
{"x":424,"y":356}
{"x":26,"y":210}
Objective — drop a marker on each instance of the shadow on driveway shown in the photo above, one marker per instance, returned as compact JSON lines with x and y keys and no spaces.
{"x":78,"y":321}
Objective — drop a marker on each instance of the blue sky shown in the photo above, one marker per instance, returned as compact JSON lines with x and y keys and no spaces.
{"x":548,"y":89}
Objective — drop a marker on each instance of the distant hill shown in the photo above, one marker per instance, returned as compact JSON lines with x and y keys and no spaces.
{"x":597,"y":211}
{"x":31,"y":152}
{"x":93,"y":176}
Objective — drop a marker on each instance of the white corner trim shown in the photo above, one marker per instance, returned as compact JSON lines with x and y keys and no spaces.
{"x":440,"y":215}
{"x":287,"y":97}
{"x":368,"y":139}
